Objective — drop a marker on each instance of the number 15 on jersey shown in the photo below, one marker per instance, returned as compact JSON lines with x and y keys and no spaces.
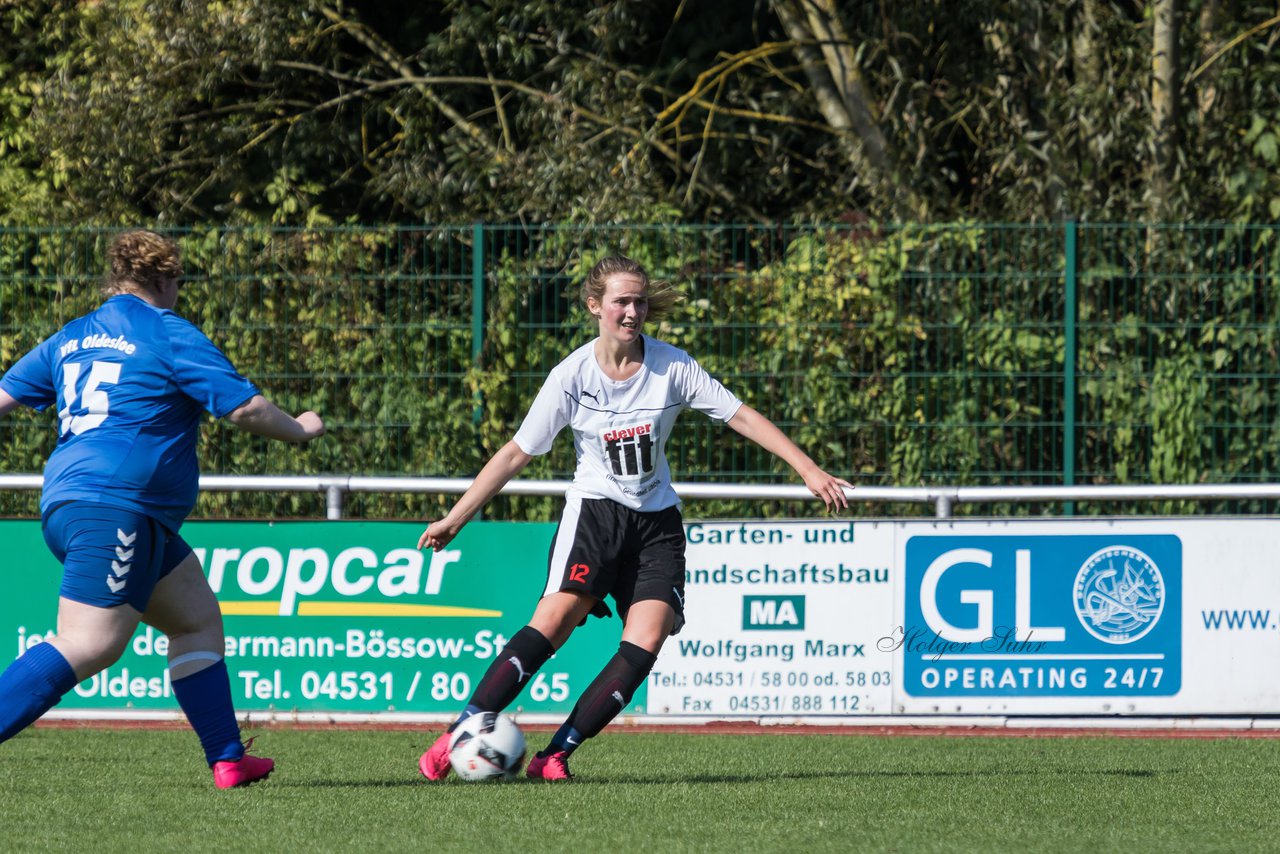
{"x":94,"y":401}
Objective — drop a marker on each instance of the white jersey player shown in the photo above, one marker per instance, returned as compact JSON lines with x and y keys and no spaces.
{"x":621,"y":534}
{"x":620,"y":427}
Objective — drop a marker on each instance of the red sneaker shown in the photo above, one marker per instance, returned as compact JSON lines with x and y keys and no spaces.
{"x":245,"y":770}
{"x":434,"y":764}
{"x":552,"y":767}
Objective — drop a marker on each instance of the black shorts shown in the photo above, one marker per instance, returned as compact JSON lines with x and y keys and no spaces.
{"x":602,"y":548}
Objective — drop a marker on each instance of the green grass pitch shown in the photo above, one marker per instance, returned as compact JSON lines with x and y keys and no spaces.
{"x":358,"y":790}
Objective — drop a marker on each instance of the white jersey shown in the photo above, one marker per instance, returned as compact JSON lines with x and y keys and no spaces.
{"x":620,"y":429}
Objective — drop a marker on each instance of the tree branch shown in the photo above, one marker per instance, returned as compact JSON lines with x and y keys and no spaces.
{"x":825,"y":53}
{"x":373,"y":42}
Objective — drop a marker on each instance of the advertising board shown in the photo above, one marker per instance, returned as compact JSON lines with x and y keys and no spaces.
{"x":785,"y":619}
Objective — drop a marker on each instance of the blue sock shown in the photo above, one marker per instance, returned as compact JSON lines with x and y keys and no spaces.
{"x":206,"y":698}
{"x":604,"y":698}
{"x":471,"y":709}
{"x":566,"y":738}
{"x":32,"y":685}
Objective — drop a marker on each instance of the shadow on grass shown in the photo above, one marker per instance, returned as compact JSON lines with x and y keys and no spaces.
{"x":24,"y":785}
{"x":647,"y":779}
{"x":382,"y":783}
{"x":720,"y":779}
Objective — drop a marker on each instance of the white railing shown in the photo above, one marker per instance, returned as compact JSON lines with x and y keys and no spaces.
{"x":943,"y":498}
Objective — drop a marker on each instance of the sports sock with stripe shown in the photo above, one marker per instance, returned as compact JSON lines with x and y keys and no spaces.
{"x":205,"y":697}
{"x":510,"y":671}
{"x":604,"y":698}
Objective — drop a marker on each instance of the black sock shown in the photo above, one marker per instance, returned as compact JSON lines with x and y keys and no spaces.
{"x":510,"y":671}
{"x":605,"y":697}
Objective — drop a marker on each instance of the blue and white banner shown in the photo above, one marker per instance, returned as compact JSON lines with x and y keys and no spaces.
{"x":1135,"y":616}
{"x":1047,"y":615}
{"x":1152,"y":617}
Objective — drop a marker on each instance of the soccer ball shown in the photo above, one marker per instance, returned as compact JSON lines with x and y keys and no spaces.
{"x":487,"y":746}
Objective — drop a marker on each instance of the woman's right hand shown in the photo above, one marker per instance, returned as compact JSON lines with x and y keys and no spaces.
{"x":438,"y":535}
{"x":501,"y":467}
{"x":312,"y":423}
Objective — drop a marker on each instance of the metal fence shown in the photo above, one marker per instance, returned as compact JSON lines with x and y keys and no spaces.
{"x":973,"y":355}
{"x":944,"y":501}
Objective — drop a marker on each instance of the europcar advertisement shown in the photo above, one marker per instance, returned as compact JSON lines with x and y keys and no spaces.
{"x":337,"y":616}
{"x":786,"y":619}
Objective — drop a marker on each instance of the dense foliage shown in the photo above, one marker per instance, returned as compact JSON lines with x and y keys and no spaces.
{"x":906,"y":356}
{"x":310,"y":112}
{"x":279,"y":137}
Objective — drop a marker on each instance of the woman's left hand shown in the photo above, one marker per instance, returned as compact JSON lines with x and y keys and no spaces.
{"x":829,"y":488}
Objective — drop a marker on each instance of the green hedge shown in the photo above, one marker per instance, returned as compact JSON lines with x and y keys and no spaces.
{"x":894,"y":356}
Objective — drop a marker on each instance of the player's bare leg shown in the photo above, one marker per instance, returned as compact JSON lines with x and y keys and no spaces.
{"x":89,"y":638}
{"x":185,"y":609}
{"x":92,"y":638}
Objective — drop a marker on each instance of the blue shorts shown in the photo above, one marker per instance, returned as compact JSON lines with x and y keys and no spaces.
{"x":110,"y":556}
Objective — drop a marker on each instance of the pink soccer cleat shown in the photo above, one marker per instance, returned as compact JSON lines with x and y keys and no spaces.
{"x":245,"y":770}
{"x":552,"y":767}
{"x":434,"y":764}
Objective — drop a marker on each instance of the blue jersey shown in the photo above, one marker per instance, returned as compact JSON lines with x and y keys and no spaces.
{"x":131,"y":382}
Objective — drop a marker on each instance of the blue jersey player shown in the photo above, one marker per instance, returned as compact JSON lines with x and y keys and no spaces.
{"x":130,"y":383}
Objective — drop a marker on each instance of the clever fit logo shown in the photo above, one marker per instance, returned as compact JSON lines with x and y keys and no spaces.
{"x":630,"y":450}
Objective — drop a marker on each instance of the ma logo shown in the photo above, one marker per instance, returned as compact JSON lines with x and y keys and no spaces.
{"x":772,"y":613}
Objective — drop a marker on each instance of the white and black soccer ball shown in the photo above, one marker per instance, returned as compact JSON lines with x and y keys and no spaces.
{"x":487,"y":746}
